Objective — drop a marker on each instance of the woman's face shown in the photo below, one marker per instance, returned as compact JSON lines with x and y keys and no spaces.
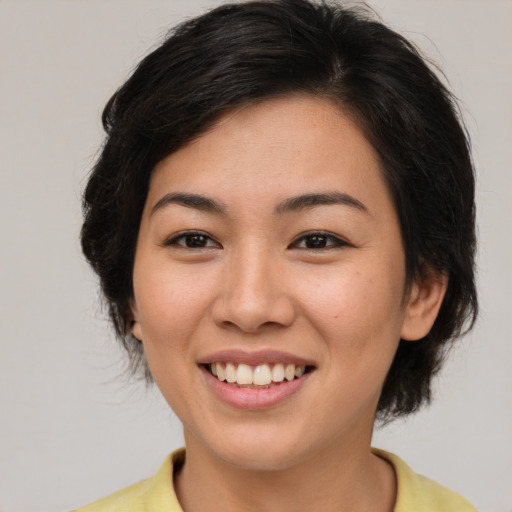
{"x":271,"y":241}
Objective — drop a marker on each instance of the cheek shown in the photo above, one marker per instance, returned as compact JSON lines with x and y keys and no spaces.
{"x":170,"y":304}
{"x":354,"y":306}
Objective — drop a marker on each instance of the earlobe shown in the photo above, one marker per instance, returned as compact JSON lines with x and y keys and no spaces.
{"x":135,"y":323}
{"x":423,"y":305}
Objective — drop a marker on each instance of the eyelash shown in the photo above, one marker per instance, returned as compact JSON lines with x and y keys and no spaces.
{"x":182,"y":237}
{"x":331,"y":240}
{"x":335,"y":241}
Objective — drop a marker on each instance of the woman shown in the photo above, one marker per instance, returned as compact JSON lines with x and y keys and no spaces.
{"x":282,"y":220}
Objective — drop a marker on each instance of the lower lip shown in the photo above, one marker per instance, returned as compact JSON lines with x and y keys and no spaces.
{"x":254,"y":399}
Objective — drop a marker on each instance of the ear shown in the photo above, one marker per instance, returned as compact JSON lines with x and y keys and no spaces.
{"x":136,"y":328}
{"x":424,"y":302}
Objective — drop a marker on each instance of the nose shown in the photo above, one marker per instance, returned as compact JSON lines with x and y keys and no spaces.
{"x":253,"y":296}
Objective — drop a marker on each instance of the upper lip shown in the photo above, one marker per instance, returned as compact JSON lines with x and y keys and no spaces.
{"x":255,"y":358}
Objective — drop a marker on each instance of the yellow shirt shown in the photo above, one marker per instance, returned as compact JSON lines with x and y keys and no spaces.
{"x":415,"y":492}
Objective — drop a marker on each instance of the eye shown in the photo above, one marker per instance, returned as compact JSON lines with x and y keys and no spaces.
{"x":317,"y":241}
{"x":193,"y":240}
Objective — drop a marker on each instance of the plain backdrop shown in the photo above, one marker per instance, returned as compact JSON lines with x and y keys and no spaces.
{"x":71,"y":429}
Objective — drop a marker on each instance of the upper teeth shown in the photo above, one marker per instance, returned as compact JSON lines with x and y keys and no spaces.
{"x":261,"y":375}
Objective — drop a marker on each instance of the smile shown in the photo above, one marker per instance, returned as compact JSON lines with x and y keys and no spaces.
{"x":258,"y":380}
{"x":256,"y":377}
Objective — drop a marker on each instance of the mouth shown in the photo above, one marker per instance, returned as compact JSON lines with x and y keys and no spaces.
{"x":262,"y":376}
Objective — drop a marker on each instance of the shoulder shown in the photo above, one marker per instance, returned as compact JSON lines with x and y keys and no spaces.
{"x":127,"y":500}
{"x":420,"y":494}
{"x":153,"y":495}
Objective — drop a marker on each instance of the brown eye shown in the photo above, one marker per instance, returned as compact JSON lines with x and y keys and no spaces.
{"x":318,"y":241}
{"x":193,"y":240}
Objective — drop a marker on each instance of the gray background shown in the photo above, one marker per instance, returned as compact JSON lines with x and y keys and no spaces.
{"x":71,"y":429}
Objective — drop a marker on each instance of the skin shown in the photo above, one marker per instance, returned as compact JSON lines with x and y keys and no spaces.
{"x":258,"y":285}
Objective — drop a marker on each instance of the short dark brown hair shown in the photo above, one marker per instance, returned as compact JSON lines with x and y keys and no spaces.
{"x":243,"y":53}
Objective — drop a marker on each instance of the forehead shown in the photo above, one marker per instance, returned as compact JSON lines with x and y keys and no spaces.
{"x":276,"y":148}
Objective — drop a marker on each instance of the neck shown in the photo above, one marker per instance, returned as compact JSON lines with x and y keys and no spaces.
{"x":349,"y":479}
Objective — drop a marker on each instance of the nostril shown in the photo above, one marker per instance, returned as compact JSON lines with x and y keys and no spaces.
{"x":251,"y":327}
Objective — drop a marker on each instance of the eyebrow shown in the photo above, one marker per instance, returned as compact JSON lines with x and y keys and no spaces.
{"x":307,"y":201}
{"x":292,"y":204}
{"x":196,"y":201}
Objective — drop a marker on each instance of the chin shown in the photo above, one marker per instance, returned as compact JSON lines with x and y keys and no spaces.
{"x":262,"y":453}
